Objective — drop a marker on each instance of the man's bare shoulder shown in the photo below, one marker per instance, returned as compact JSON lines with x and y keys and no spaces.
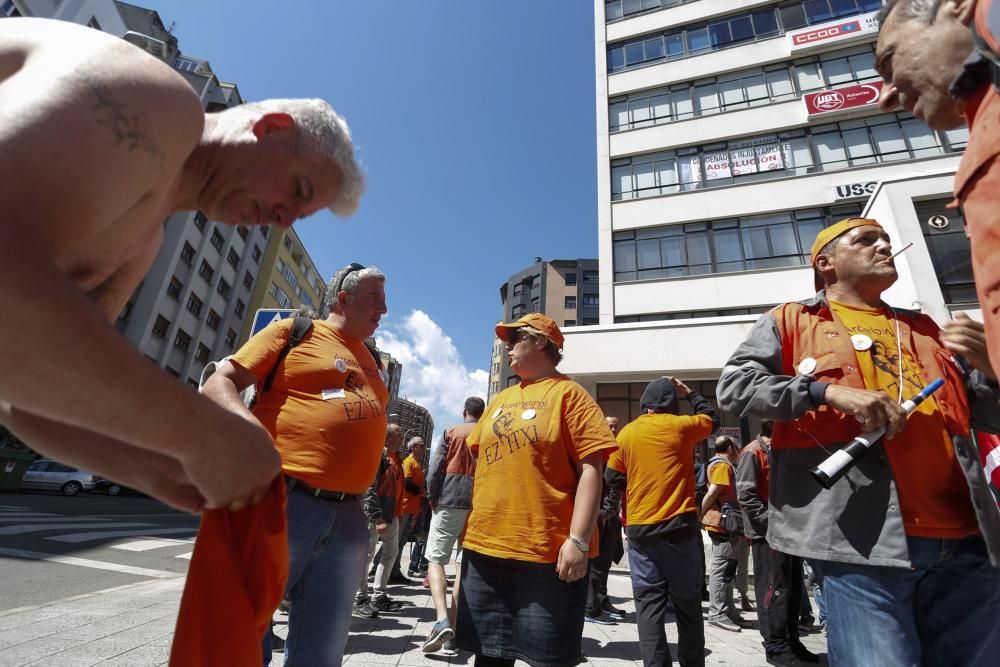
{"x":91,"y":116}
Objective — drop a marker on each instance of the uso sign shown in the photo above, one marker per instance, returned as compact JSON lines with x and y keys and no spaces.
{"x":842,"y":99}
{"x":820,"y":36}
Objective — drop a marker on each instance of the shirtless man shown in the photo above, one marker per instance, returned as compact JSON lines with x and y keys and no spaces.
{"x":99,"y":143}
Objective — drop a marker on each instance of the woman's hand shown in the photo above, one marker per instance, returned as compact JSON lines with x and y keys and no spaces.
{"x":572,"y":563}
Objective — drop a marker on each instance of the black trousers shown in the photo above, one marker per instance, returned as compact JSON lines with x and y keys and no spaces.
{"x":610,"y":545}
{"x":782,"y":601}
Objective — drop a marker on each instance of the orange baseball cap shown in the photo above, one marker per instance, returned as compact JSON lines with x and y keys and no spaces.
{"x":834,"y":231}
{"x":536,"y":323}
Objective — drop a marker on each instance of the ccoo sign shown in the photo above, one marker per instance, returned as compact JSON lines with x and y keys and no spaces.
{"x":822,"y":35}
{"x":849,"y":97}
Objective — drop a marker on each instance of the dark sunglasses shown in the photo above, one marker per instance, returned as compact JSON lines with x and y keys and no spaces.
{"x":351,"y":268}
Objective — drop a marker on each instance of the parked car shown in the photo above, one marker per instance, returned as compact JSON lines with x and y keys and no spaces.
{"x":54,"y":476}
{"x":112,"y":488}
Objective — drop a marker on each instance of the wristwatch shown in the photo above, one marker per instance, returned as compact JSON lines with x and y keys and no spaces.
{"x":578,"y":543}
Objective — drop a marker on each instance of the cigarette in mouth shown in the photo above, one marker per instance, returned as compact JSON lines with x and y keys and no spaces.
{"x":901,"y":250}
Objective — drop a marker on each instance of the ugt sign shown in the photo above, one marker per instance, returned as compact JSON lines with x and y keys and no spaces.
{"x":840,"y":99}
{"x":824,"y":34}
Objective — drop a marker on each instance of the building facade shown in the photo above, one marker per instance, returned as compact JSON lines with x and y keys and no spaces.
{"x":729,"y":132}
{"x":414,"y":421}
{"x":564,"y":289}
{"x":289,"y":279}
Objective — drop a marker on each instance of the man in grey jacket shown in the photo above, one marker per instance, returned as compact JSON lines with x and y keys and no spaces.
{"x":906,"y":539}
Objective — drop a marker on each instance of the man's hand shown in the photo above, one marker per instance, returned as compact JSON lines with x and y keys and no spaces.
{"x":682,"y":389}
{"x":233,"y":468}
{"x":381,"y":526}
{"x":872,"y":408}
{"x":572,"y":563}
{"x":965,"y":336}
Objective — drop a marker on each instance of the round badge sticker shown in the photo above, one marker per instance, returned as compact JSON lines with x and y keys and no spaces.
{"x":861,"y":342}
{"x":341,"y":365}
{"x":528,"y":414}
{"x":807,"y":366}
{"x":496,"y":413}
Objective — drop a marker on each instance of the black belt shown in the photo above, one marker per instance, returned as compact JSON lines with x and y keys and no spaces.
{"x":336,"y":496}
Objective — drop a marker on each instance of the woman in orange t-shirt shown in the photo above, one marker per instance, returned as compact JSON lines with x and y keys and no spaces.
{"x":531,"y":531}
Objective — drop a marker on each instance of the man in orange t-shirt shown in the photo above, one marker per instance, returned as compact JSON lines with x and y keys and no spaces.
{"x":908,"y":535}
{"x":326,"y":412}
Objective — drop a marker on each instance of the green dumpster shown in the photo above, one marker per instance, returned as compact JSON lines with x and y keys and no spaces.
{"x":13,"y":463}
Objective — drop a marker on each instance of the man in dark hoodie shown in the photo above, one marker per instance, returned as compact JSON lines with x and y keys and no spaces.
{"x":653,"y":465}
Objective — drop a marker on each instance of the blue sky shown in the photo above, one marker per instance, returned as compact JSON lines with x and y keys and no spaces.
{"x":475,"y":123}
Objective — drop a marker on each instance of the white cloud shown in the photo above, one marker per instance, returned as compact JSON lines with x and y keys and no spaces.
{"x":434,"y":375}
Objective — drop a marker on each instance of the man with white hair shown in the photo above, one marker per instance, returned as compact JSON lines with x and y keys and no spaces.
{"x":100,"y":142}
{"x":326,"y":410}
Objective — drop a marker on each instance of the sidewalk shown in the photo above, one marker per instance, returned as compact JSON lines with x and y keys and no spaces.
{"x":132,"y":626}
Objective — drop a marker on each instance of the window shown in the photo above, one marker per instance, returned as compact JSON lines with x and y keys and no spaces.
{"x":8,"y":9}
{"x":174,"y":288}
{"x":570,"y":279}
{"x":569,"y":323}
{"x":213,"y":320}
{"x":727,"y":31}
{"x":242,"y":230}
{"x":518,"y":288}
{"x":693,"y":314}
{"x":160,"y":326}
{"x":263,"y":230}
{"x":722,"y":246}
{"x":187,"y":253}
{"x":591,"y":277}
{"x":615,"y":10}
{"x":224,"y":288}
{"x":182,"y":340}
{"x":590,"y":300}
{"x":201,"y":355}
{"x":206,"y":271}
{"x":517,"y":310}
{"x":570,"y":303}
{"x":217,"y":240}
{"x":233,"y":258}
{"x":949,"y":250}
{"x":535,"y":304}
{"x":240,"y":308}
{"x":230,"y":338}
{"x":289,"y":275}
{"x":872,"y":140}
{"x":194,"y":304}
{"x":248,"y":280}
{"x":256,"y":253}
{"x":279,"y":295}
{"x":536,"y":282}
{"x":200,"y":220}
{"x":287,"y":242}
{"x":743,"y":89}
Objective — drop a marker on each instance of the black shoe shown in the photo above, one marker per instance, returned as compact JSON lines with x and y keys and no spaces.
{"x":385,"y":604}
{"x":742,"y":622}
{"x":704,"y":595}
{"x":804,"y":654}
{"x":600,"y":619}
{"x":613,"y":611}
{"x":363,"y":609}
{"x":747,"y":604}
{"x":277,"y":643}
{"x":784,"y":660}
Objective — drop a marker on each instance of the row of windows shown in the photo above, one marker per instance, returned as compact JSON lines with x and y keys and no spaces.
{"x":696,"y":39}
{"x":182,"y":340}
{"x":615,"y":10}
{"x":831,"y":147}
{"x":207,"y":272}
{"x":589,"y":301}
{"x":745,"y":89}
{"x":722,"y":246}
{"x":279,"y":295}
{"x":691,"y":314}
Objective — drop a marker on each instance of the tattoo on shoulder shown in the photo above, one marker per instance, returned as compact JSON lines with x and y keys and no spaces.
{"x":127,"y":125}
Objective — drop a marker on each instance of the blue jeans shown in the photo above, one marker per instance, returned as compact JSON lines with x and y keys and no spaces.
{"x":945,"y":610}
{"x":327,"y":548}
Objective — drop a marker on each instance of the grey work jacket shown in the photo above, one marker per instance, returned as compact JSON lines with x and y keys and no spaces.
{"x":858,"y":520}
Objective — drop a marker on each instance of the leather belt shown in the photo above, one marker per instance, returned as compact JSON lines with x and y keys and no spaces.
{"x":336,"y":496}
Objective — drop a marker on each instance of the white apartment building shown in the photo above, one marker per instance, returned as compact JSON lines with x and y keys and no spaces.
{"x":729,"y":132}
{"x":191,"y":306}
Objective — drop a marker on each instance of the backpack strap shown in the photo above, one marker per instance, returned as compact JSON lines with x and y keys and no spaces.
{"x":300,"y":327}
{"x":375,"y":356}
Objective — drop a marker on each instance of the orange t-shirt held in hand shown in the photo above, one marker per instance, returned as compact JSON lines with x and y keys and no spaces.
{"x":235,"y":582}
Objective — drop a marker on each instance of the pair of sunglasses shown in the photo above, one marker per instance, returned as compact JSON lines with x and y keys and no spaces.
{"x":351,"y":268}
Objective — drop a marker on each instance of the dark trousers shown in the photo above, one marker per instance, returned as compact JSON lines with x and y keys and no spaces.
{"x":783,"y":602}
{"x":669,"y":564}
{"x":761,"y":553}
{"x":600,"y":567}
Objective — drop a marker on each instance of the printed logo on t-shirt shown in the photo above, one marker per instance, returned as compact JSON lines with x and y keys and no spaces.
{"x":513,"y":432}
{"x":360,"y":402}
{"x":885,"y":356}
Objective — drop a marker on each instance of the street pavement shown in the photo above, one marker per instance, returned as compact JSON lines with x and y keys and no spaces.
{"x":112,"y":599}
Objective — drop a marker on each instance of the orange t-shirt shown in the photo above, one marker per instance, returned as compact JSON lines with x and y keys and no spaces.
{"x":413,"y":470}
{"x":933,"y":493}
{"x":326,"y":407}
{"x":529,"y":442}
{"x":721,"y":473}
{"x":656,"y":456}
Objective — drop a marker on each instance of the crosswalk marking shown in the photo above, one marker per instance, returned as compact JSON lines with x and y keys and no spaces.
{"x":74,"y":538}
{"x":186,"y":556}
{"x":4,"y":518}
{"x":86,"y":562}
{"x":39,"y":527}
{"x":146,"y":545}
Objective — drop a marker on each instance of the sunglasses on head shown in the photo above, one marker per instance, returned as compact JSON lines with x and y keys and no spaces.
{"x":351,"y":268}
